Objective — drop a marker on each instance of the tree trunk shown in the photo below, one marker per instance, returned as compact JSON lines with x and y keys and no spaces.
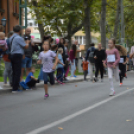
{"x":87,"y":23}
{"x":103,"y":23}
{"x":117,"y":18}
{"x":40,"y":26}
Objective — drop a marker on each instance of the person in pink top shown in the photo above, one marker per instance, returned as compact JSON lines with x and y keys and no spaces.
{"x":72,"y":55}
{"x":112,"y":62}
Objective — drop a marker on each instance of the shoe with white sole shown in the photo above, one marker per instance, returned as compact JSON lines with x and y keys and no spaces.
{"x":112,"y":93}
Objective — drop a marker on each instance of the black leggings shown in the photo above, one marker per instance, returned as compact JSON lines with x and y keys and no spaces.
{"x":32,"y":83}
{"x":99,"y":67}
{"x":122,"y":68}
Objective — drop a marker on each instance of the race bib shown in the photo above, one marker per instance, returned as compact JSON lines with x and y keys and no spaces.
{"x":111,"y":58}
{"x":121,"y":60}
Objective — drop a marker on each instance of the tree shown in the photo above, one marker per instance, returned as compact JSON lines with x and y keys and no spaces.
{"x":87,"y":22}
{"x":117,"y":19}
{"x":103,"y":23}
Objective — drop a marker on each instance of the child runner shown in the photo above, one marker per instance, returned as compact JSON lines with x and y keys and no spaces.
{"x":46,"y":58}
{"x":30,"y":79}
{"x":112,"y":61}
{"x":85,"y":68}
{"x":60,"y":66}
{"x":123,"y":61}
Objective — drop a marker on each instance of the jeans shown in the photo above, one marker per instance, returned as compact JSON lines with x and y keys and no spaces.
{"x":41,"y":74}
{"x":16,"y":60}
{"x":73,"y":68}
{"x":60,"y":72}
{"x":26,"y":63}
{"x":91,"y":70}
{"x":8,"y":72}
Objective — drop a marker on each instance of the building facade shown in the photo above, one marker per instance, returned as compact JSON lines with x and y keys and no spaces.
{"x":9,"y":9}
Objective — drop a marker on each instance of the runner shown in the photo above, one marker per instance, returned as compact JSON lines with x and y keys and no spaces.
{"x":123,"y":62}
{"x":99,"y":56}
{"x":112,"y":62}
{"x":46,"y":58}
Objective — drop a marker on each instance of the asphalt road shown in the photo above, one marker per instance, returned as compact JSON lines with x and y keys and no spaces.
{"x":75,"y":108}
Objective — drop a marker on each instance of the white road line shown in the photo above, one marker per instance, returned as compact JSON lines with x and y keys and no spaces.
{"x":44,"y":128}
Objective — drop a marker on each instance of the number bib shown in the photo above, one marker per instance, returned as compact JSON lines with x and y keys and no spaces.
{"x":111,"y":58}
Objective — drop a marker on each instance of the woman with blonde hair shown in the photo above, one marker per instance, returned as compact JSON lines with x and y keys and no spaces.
{"x":123,"y":61}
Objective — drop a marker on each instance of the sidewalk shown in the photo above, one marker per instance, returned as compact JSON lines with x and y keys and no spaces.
{"x":6,"y":89}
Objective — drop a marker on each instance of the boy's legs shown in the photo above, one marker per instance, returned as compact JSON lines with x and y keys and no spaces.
{"x":32,"y":83}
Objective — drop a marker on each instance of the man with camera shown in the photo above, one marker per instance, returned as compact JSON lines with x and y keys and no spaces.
{"x":27,"y":61}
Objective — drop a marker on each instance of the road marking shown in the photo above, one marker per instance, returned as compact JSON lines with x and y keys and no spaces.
{"x":44,"y":128}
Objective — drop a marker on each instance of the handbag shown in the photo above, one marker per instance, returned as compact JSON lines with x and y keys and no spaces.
{"x":10,"y":45}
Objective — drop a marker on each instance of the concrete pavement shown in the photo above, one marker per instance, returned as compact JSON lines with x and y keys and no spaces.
{"x":26,"y":112}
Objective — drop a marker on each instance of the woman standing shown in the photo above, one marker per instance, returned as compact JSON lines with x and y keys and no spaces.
{"x":72,"y":59}
{"x":112,"y":61}
{"x":123,"y":61}
{"x":99,"y":56}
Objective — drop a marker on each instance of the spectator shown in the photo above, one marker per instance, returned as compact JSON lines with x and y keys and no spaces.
{"x":27,"y":61}
{"x":72,"y":59}
{"x":1,"y":28}
{"x":8,"y":66}
{"x":77,"y":54}
{"x":18,"y":45}
{"x":90,"y":57}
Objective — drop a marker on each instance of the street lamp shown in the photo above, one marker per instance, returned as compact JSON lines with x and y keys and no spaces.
{"x":3,"y":22}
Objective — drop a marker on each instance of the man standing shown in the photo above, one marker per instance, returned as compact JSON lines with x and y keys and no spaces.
{"x":77,"y":54}
{"x":27,"y":61}
{"x":17,"y":45}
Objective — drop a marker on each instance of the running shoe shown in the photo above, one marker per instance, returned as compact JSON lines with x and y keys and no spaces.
{"x":121,"y":84}
{"x":46,"y":95}
{"x":75,"y":76}
{"x":112,"y":93}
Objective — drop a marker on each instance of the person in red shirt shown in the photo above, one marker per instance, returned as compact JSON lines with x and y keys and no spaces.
{"x":85,"y":68}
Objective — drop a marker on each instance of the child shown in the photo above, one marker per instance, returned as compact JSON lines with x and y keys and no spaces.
{"x":112,"y":61}
{"x":85,"y":68}
{"x":30,"y":79}
{"x":3,"y":44}
{"x":46,"y":58}
{"x":123,"y":61}
{"x":60,"y":66}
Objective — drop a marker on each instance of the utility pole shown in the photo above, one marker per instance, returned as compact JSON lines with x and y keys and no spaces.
{"x":122,"y":24}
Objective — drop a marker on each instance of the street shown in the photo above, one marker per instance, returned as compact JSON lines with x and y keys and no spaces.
{"x":75,"y":108}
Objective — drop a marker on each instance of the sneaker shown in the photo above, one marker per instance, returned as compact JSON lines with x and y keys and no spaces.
{"x":121,"y":84}
{"x":75,"y":76}
{"x":101,"y":80}
{"x":46,"y":95}
{"x":16,"y":91}
{"x":95,"y":79}
{"x":112,"y":93}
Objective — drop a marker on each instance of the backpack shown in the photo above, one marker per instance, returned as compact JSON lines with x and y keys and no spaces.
{"x":91,"y":55}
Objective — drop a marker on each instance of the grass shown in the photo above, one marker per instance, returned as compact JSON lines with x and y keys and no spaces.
{"x":36,"y":74}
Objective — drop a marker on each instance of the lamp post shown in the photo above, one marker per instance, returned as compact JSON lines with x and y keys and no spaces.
{"x":3,"y":22}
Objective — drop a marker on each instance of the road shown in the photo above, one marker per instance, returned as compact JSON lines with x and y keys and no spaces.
{"x":75,"y":108}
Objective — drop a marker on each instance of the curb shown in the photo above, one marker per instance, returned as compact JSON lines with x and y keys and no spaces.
{"x":8,"y":90}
